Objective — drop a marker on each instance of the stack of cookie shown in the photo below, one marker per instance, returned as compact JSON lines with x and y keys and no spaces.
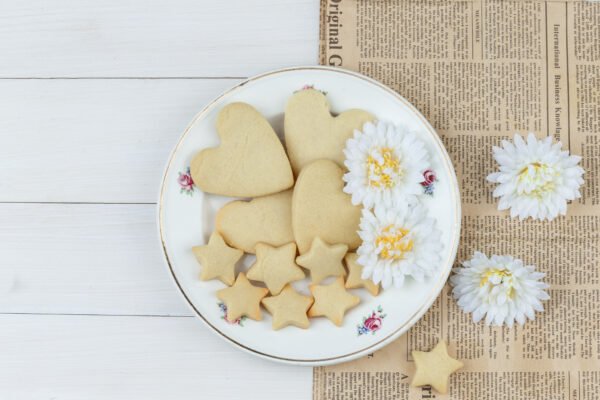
{"x":298,"y":216}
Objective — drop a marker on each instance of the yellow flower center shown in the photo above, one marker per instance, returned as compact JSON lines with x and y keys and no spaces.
{"x":383,"y":168}
{"x":535,"y":179}
{"x":393,"y":243}
{"x":498,"y":277}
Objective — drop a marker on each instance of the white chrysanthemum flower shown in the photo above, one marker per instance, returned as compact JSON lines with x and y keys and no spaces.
{"x":385,"y":163}
{"x":398,"y":242}
{"x":536,"y":178}
{"x":501,"y":288}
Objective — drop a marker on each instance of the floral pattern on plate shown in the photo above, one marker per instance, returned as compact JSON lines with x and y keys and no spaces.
{"x":240,"y":321}
{"x":306,"y":87}
{"x":186,"y":183}
{"x":429,"y":179}
{"x":371,"y":323}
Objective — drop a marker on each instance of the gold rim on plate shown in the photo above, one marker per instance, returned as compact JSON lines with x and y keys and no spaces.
{"x":437,"y":287}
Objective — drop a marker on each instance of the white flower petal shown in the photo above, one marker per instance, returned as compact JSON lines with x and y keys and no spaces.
{"x":535,"y":178}
{"x":371,"y":179}
{"x":500,"y":288}
{"x":398,"y":242}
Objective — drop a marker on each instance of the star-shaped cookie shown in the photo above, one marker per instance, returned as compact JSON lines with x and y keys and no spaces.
{"x":434,"y":367}
{"x":288,"y":308}
{"x":354,"y":279}
{"x":275,"y":266}
{"x":332,"y":301}
{"x":323,"y":260}
{"x":217,"y":259}
{"x":242,"y":299}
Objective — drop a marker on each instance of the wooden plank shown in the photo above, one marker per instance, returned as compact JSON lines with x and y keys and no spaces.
{"x":93,"y":140}
{"x":83,"y":357}
{"x":84,"y":259}
{"x":177,"y":38}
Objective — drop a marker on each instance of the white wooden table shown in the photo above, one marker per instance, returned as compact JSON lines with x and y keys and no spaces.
{"x":93,"y":95}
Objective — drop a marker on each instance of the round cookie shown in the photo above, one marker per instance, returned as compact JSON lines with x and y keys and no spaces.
{"x":321,"y":209}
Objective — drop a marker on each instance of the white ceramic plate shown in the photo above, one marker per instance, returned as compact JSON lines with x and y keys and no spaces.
{"x":186,"y":219}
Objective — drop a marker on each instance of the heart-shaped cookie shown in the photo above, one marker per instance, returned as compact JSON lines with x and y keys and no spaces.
{"x":249,"y":162}
{"x":321,"y":209}
{"x":312,"y":133}
{"x":266,"y":219}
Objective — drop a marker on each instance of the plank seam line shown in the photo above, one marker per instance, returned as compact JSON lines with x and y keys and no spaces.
{"x":121,"y":77}
{"x":99,"y":315}
{"x":80,"y":202}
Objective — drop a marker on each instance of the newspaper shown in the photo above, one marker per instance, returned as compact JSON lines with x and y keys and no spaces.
{"x":481,"y":70}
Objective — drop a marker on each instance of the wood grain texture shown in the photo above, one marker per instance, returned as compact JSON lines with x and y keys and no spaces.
{"x":81,"y":357}
{"x":177,"y":38}
{"x":93,"y":140}
{"x":84,"y":259}
{"x":125,"y":332}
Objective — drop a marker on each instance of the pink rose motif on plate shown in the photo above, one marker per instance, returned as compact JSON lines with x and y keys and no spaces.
{"x":186,"y":183}
{"x":371,"y":323}
{"x":429,"y":179}
{"x":307,"y":86}
{"x":239,"y":321}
